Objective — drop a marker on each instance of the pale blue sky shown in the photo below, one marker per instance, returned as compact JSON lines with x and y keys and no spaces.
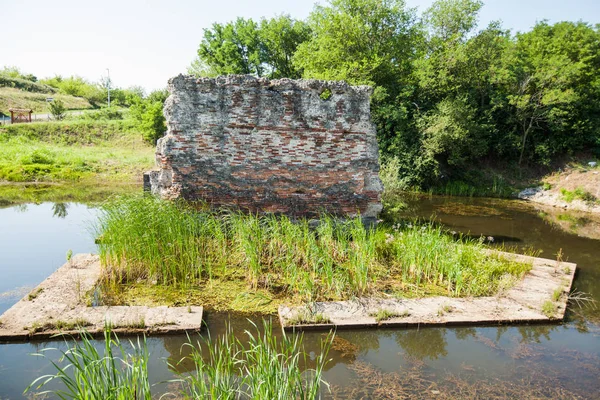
{"x":146,"y":42}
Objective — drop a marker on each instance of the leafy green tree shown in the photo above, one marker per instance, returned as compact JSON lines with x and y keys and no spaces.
{"x":232,"y":48}
{"x":280,"y":38}
{"x":551,"y":83}
{"x":360,"y":41}
{"x":247,"y":47}
{"x":57,"y":109}
{"x":148,"y":113}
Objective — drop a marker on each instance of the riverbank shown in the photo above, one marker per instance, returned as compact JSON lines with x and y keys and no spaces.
{"x":576,"y":187}
{"x":86,"y":153}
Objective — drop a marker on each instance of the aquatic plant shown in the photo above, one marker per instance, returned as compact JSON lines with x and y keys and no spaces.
{"x":263,"y":366}
{"x":145,"y":239}
{"x":87,"y":373}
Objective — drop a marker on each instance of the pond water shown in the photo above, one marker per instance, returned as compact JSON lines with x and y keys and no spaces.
{"x":530,"y":361}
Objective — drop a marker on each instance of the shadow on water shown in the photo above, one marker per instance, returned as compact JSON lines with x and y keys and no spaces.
{"x":541,"y":361}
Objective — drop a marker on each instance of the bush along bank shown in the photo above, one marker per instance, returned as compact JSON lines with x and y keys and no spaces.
{"x":159,"y":251}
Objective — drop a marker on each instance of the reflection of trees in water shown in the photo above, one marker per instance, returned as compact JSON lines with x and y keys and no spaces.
{"x":21,"y":207}
{"x":59,"y":210}
{"x":533,"y":334}
{"x":423,"y":343}
{"x":218,"y":324}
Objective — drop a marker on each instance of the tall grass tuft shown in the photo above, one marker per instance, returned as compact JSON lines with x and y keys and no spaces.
{"x":149,"y":240}
{"x":88,"y":374}
{"x":262,"y":366}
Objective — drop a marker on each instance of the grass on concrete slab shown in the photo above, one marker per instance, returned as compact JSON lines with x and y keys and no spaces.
{"x":384,"y":314}
{"x":144,"y":240}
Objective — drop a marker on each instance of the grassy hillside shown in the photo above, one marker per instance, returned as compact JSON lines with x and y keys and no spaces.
{"x":103,"y":152}
{"x":17,"y":98}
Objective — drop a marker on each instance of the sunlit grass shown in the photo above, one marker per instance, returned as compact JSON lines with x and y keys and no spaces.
{"x":64,"y":151}
{"x":261,"y":366}
{"x":144,"y":239}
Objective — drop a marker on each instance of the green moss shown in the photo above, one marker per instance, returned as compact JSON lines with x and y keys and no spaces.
{"x":384,"y":314}
{"x":308,"y":318}
{"x":325,"y":94}
{"x":34,"y":294}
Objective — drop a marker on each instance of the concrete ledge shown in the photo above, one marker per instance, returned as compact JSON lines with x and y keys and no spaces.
{"x":521,"y":304}
{"x":56,"y":306}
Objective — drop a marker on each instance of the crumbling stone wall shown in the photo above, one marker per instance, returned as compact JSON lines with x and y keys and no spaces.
{"x":297,"y":147}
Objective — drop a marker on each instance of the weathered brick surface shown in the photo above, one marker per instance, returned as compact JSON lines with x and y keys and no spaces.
{"x":270,"y":146}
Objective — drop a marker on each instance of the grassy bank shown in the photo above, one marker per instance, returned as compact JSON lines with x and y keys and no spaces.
{"x":16,"y":98}
{"x":73,"y":151}
{"x":160,"y":251}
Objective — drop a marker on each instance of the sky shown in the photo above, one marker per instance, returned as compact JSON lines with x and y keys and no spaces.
{"x":145,"y":43}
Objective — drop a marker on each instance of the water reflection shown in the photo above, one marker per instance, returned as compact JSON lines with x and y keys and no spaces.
{"x":59,"y":210}
{"x":423,"y":344}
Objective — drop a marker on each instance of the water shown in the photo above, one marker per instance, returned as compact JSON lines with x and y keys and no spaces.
{"x":541,"y":361}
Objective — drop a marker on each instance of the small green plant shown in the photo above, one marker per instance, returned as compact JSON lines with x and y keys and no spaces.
{"x":385,"y":314}
{"x":69,"y":255}
{"x":58,"y":325}
{"x":444,"y":309}
{"x":61,"y":325}
{"x":34,"y":294}
{"x":325,"y":94}
{"x":557,"y":294}
{"x":567,"y":270}
{"x":547,"y":186}
{"x":579,"y":193}
{"x":58,"y":110}
{"x":549,"y":309}
{"x":133,"y":324}
{"x":307,"y":318}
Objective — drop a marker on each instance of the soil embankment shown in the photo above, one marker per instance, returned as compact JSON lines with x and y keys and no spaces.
{"x":574,"y":188}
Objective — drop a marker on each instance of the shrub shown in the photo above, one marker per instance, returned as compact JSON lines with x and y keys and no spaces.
{"x":58,"y":110}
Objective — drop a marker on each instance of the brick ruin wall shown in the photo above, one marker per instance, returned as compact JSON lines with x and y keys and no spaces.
{"x":295,"y":147}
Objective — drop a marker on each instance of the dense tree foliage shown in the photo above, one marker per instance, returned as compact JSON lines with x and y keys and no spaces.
{"x":449,"y":96}
{"x":262,"y":48}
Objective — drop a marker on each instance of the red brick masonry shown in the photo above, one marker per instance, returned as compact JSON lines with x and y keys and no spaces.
{"x":297,"y":147}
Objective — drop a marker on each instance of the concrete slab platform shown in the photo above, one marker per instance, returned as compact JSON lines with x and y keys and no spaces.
{"x":521,"y":304}
{"x":57,"y":306}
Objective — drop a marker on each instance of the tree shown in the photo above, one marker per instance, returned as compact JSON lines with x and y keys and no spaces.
{"x":550,"y":77}
{"x":359,"y":41}
{"x":280,"y":38}
{"x":232,"y":48}
{"x":247,"y":47}
{"x":57,"y":109}
{"x":148,"y":113}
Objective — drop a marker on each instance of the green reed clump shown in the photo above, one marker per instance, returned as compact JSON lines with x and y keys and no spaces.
{"x":262,"y":366}
{"x":87,"y":374}
{"x":144,"y":239}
